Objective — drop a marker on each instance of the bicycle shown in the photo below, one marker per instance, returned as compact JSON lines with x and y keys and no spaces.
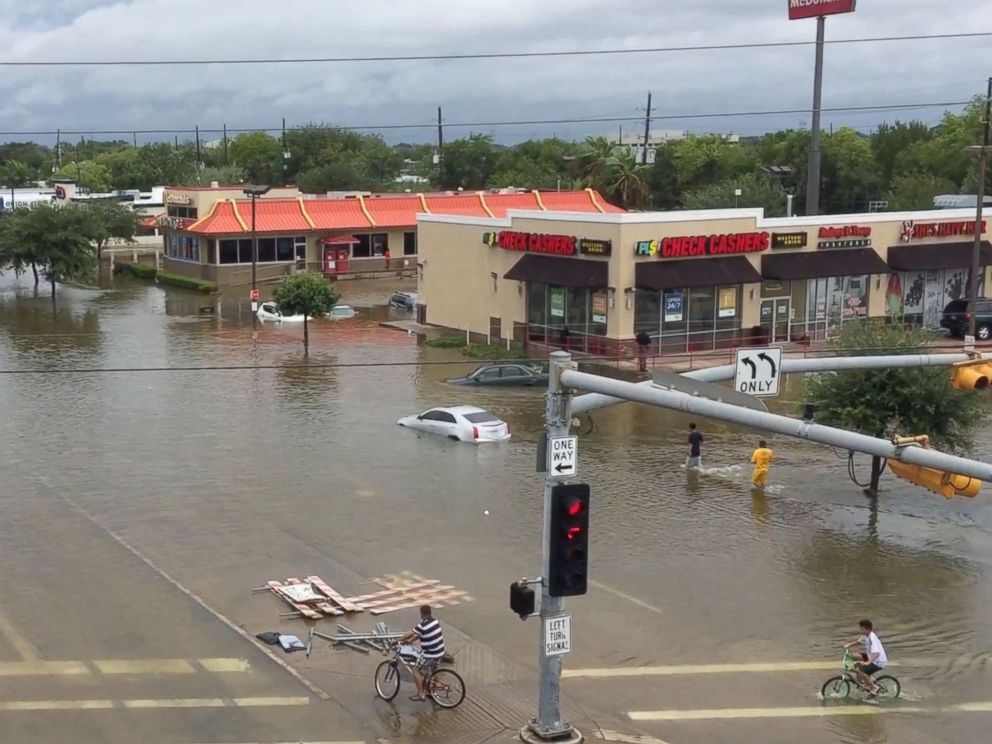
{"x":445,"y":686}
{"x":839,"y":687}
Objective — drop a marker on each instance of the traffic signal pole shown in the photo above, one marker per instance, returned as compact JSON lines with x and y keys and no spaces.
{"x":762,"y":420}
{"x":548,"y":726}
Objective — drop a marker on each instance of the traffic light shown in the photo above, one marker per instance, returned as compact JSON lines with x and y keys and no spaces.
{"x":522,"y":599}
{"x":568,"y":559}
{"x":975,"y":374}
{"x":947,"y":485}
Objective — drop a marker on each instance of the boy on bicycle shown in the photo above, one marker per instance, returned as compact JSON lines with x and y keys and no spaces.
{"x":873,"y":657}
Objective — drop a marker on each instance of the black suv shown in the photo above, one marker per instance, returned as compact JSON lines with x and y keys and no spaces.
{"x":956,"y":319}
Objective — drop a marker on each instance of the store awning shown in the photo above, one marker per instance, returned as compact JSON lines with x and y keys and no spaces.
{"x":562,"y":272}
{"x":694,"y":272}
{"x":936,"y":256}
{"x":823,"y":263}
{"x":338,"y":240}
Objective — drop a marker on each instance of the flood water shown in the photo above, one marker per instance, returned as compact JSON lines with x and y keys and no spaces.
{"x":228,"y":478}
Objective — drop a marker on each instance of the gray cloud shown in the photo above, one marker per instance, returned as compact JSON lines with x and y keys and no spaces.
{"x":130,"y":98}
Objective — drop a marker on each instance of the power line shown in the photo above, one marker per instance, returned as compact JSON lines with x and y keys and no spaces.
{"x":519,"y":122}
{"x":482,"y":55}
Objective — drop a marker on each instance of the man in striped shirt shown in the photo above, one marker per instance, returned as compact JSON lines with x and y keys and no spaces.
{"x":428,"y":632}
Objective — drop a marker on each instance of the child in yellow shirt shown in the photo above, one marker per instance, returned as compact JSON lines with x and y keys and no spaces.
{"x":762,"y":458}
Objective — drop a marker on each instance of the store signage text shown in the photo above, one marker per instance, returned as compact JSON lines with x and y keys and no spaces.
{"x":922,"y":230}
{"x":178,"y":199}
{"x":847,"y":236}
{"x":558,"y":245}
{"x":799,"y":9}
{"x":590,"y":247}
{"x":788,"y":240}
{"x":703,"y":245}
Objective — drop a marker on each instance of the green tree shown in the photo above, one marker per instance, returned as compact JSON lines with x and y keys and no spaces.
{"x":56,"y":238}
{"x":37,"y":157}
{"x":592,"y":158}
{"x":890,"y":402}
{"x":625,"y":180}
{"x":14,"y":175}
{"x":535,"y":164}
{"x":944,"y":154}
{"x":89,"y":175}
{"x":663,"y":178}
{"x":889,"y":140}
{"x":259,"y":155}
{"x":306,"y":293}
{"x":757,"y":190}
{"x":223,"y":174}
{"x":106,"y":219}
{"x":469,"y":162}
{"x":909,"y":192}
{"x":848,"y":172}
{"x":706,"y":159}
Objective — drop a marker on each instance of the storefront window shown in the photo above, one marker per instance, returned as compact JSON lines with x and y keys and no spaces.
{"x":702,"y":309}
{"x":270,"y":250}
{"x":184,"y":212}
{"x":409,"y":244}
{"x":578,"y":310}
{"x":183,"y":247}
{"x":689,"y":318}
{"x":647,"y":311}
{"x":833,"y":300}
{"x":550,"y":308}
{"x":919,"y":297}
{"x":370,"y":244}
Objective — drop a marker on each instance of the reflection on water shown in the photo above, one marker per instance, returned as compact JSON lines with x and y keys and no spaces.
{"x":229,"y":463}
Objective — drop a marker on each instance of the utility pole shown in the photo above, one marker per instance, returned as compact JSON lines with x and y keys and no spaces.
{"x":58,"y":149}
{"x":440,"y":150}
{"x":813,"y":169}
{"x":254,"y":192}
{"x":983,"y":156}
{"x":548,"y":725}
{"x":225,"y":144}
{"x":199,"y":161}
{"x":285,"y":152}
{"x":134,"y":139}
{"x":647,"y":132}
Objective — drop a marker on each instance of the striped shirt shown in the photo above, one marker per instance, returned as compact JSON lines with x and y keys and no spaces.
{"x":431,"y":638}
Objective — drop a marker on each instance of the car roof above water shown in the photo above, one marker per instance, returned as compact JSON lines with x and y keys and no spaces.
{"x":461,"y":410}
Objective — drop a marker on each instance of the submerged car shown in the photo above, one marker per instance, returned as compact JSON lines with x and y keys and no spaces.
{"x":956,"y":318}
{"x":342,"y":312}
{"x":404,"y":300}
{"x":461,"y":423}
{"x":505,"y":375}
{"x":269,"y":311}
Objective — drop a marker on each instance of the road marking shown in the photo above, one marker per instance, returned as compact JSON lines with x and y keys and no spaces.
{"x":817,"y":711}
{"x":629,"y":597}
{"x":743,"y":668}
{"x":38,"y":668}
{"x":20,"y":644}
{"x":145,"y":666}
{"x":616,"y":736}
{"x":16,"y":705}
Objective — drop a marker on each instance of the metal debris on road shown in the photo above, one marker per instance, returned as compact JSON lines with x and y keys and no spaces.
{"x":315,"y":599}
{"x":378,"y":640}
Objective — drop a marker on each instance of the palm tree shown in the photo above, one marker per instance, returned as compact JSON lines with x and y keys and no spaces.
{"x":593,"y":156}
{"x":625,"y":180}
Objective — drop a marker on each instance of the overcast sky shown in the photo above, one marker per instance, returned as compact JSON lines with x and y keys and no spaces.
{"x":255,"y":96}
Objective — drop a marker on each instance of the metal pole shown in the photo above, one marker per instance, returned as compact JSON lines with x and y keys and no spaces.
{"x":983,"y":156}
{"x":225,"y":144}
{"x":440,"y":151}
{"x":591,"y":401}
{"x":773,"y":422}
{"x":813,"y":170}
{"x":647,"y":132}
{"x":254,"y":259}
{"x":548,"y":724}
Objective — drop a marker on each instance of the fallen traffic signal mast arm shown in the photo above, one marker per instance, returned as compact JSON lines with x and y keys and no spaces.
{"x":618,"y":390}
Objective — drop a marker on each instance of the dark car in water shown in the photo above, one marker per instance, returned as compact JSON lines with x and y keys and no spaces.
{"x":506,"y":375}
{"x":404,"y":300}
{"x":957,"y":318}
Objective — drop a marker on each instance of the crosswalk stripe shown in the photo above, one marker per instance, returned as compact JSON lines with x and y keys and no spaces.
{"x":742,"y":668}
{"x":139,"y":704}
{"x":813,"y":711}
{"x":38,"y":668}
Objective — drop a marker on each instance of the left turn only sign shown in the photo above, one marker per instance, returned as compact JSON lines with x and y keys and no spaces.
{"x":563,"y":453}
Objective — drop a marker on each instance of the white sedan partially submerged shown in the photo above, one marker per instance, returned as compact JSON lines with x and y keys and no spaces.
{"x":269,"y":311}
{"x":461,"y":423}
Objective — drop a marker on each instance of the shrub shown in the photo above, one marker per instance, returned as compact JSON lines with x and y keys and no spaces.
{"x":186,"y":282}
{"x":133,"y":269}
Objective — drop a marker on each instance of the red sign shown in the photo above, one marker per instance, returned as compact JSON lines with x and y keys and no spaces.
{"x":813,"y":8}
{"x":919,"y":231}
{"x":254,"y":295}
{"x":558,"y":245}
{"x":703,"y":245}
{"x":847,"y":231}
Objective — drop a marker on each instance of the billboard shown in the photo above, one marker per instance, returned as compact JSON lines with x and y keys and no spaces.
{"x":813,"y":8}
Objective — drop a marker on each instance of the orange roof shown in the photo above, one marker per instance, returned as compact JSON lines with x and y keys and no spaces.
{"x":291,"y":215}
{"x":337,"y":214}
{"x":274,"y":215}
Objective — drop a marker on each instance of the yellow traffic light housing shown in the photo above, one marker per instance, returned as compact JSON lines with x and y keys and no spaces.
{"x":946,"y":484}
{"x":975,"y":374}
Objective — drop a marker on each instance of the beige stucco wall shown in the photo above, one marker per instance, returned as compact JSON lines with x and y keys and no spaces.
{"x":457,"y":286}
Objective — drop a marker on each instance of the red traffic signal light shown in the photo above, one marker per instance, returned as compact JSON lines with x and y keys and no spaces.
{"x":568,"y":557}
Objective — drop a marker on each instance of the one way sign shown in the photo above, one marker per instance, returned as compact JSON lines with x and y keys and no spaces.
{"x":562,"y":455}
{"x":758,"y":371}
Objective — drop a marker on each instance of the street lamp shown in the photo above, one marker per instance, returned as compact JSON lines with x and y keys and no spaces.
{"x":982,"y":153}
{"x":254,"y":191}
{"x":737,"y":198}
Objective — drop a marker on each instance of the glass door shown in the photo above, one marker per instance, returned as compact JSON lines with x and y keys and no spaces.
{"x":775,"y":318}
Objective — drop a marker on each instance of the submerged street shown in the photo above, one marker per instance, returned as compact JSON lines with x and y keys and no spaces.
{"x":141,"y":508}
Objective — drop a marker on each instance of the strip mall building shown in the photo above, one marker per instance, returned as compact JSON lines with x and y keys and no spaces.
{"x":692,"y":280}
{"x":208,"y":230}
